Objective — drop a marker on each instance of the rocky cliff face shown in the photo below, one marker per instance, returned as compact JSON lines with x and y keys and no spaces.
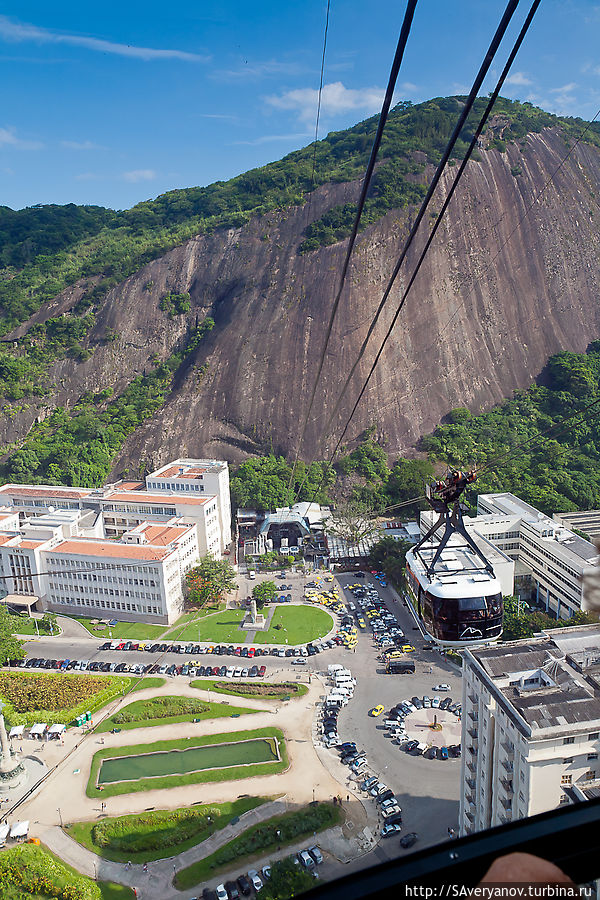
{"x":501,"y":290}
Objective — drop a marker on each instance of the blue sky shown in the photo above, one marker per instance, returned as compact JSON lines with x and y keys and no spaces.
{"x":117,"y":102}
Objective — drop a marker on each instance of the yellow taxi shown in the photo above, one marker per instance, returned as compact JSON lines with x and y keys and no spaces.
{"x":376,"y":711}
{"x":407,"y":648}
{"x":362,"y":623}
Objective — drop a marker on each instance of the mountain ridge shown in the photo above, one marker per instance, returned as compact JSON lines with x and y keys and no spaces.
{"x":244,"y":386}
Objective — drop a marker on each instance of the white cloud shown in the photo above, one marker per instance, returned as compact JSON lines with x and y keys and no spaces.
{"x":87,"y":176}
{"x":8,"y":138}
{"x":518,"y":78}
{"x":335,"y":99}
{"x":21,"y":31}
{"x":80,"y":145}
{"x":268,"y":138}
{"x":139,"y":175}
{"x":565,"y":89}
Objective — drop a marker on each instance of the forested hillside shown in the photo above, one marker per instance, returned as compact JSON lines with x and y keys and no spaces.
{"x":191,"y":323}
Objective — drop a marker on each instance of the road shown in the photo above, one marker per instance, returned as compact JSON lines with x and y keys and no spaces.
{"x":427,"y":789}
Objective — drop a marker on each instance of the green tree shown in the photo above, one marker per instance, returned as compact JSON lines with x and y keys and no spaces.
{"x":287,"y":880}
{"x":48,"y":623}
{"x":262,"y":483}
{"x":264,"y":592}
{"x":10,"y":647}
{"x":209,"y":581}
{"x":389,"y":555}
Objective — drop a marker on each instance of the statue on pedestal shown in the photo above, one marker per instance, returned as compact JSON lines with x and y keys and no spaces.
{"x":12,"y":770}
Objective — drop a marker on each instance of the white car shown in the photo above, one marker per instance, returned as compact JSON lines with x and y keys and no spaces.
{"x":221,"y":892}
{"x":306,"y":859}
{"x":441,"y":687}
{"x":256,"y":880}
{"x":229,"y":672}
{"x":435,"y":703}
{"x":237,"y":673}
{"x":316,"y":854}
{"x":389,"y":830}
{"x":390,"y":811}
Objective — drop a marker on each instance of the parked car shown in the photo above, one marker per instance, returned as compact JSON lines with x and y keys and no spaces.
{"x":257,"y":882}
{"x":232,"y":890}
{"x":440,"y":687}
{"x":266,"y":872}
{"x":221,"y":892}
{"x":389,"y":830}
{"x":316,"y":854}
{"x":409,"y":839}
{"x":244,"y":885}
{"x":444,"y":753}
{"x":306,"y":859}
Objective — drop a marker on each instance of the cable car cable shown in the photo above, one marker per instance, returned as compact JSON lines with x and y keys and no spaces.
{"x":488,"y":59}
{"x":402,"y":41}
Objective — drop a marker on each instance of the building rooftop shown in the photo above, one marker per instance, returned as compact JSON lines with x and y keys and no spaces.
{"x":111,"y":549}
{"x":548,"y":686}
{"x":188,"y":468}
{"x":40,"y":490}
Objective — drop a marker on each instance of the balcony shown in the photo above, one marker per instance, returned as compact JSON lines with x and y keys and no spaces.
{"x":507,"y":765}
{"x":472,"y":750}
{"x":471,"y":783}
{"x":471,"y":767}
{"x":508,"y":747}
{"x":505,"y":819}
{"x":474,"y":715}
{"x":506,"y":803}
{"x":472,"y":732}
{"x":507,"y":785}
{"x":473,"y":698}
{"x":470,"y":815}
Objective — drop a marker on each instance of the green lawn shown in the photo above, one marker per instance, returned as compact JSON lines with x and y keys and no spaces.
{"x":219,"y":628}
{"x":297,"y":625}
{"x":199,"y":777}
{"x":160,"y":833}
{"x":31,"y":872}
{"x":184,"y":629}
{"x":167,"y":711}
{"x":261,"y":690}
{"x":24,"y":625}
{"x":149,"y":681}
{"x":258,"y":840}
{"x":138,"y":631}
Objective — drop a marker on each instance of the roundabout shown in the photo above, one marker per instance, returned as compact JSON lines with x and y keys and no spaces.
{"x":434,"y":727}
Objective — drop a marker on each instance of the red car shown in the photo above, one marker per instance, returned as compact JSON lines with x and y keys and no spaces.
{"x":251,"y":652}
{"x":215,"y":671}
{"x":262,"y":671}
{"x":238,"y":651}
{"x":121,"y":645}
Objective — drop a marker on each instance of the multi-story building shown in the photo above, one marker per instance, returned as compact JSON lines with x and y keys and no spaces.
{"x":119,"y":551}
{"x":549,"y":559}
{"x":138,"y":578}
{"x":530,"y":725}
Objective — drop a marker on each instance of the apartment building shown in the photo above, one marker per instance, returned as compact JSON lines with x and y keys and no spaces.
{"x":530,"y":726}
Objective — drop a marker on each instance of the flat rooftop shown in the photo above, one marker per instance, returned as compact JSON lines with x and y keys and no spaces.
{"x":548,"y":680}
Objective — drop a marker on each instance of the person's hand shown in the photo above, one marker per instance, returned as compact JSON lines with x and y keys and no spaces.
{"x":524,"y":868}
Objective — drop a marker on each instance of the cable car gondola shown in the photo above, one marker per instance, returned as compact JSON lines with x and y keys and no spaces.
{"x":452,"y":586}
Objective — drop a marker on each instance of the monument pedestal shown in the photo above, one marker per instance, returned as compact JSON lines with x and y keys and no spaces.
{"x":252,"y":620}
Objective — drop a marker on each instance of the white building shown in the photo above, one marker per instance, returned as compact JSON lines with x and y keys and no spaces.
{"x":531,"y":726}
{"x":549,"y":557}
{"x":138,"y":578}
{"x":136,"y":539}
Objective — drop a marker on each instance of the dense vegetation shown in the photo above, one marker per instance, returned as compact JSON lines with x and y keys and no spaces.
{"x":10,"y":646}
{"x":520,"y":621}
{"x":57,"y":697}
{"x":556,"y":469}
{"x":31,"y":873}
{"x":77,"y":446}
{"x":102,"y":247}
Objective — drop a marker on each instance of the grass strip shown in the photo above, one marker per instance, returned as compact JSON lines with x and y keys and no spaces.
{"x":261,"y":690}
{"x":169,"y":711}
{"x":259,"y":840}
{"x":145,"y":683}
{"x":158,"y":834}
{"x":201,"y":777}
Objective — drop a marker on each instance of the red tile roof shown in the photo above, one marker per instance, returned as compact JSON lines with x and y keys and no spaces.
{"x":110,"y":549}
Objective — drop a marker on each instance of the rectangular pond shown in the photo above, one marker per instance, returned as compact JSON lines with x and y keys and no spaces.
{"x":194,"y":759}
